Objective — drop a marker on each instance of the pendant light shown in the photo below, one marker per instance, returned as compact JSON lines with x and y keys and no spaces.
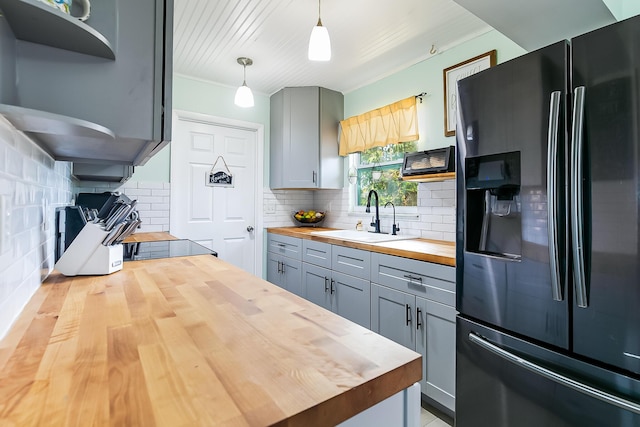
{"x":319,"y":42}
{"x":244,"y":97}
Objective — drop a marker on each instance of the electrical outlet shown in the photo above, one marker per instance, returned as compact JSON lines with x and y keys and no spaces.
{"x":327,"y":208}
{"x":270,"y":208}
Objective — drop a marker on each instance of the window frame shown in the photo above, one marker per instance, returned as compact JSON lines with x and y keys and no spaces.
{"x":355,"y":164}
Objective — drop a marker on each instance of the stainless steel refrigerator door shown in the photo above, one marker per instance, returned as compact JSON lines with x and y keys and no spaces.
{"x":508,"y":274}
{"x":607,"y":73}
{"x":502,"y":381}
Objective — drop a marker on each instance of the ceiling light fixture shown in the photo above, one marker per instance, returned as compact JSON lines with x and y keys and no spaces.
{"x":244,"y":97}
{"x":319,"y":42}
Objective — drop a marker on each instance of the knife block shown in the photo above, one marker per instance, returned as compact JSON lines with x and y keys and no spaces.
{"x":88,"y":256}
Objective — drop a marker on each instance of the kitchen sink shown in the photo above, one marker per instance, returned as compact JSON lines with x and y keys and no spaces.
{"x":360,"y":236}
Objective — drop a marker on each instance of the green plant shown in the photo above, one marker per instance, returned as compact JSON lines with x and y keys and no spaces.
{"x":390,"y":187}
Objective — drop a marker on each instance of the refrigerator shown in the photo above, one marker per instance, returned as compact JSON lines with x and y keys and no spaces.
{"x":548,"y":237}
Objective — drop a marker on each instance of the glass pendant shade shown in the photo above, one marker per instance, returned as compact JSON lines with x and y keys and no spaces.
{"x":319,"y":44}
{"x":244,"y":96}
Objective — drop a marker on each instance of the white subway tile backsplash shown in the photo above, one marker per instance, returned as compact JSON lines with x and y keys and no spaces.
{"x":448,"y":227}
{"x":153,"y":201}
{"x":156,"y":213}
{"x":437,"y":219}
{"x":428,"y":202}
{"x":449,"y":237}
{"x":149,"y":199}
{"x":435,"y":235}
{"x":161,"y":207}
{"x":136,"y":193}
{"x":153,"y":185}
{"x":160,"y":192}
{"x":434,"y":219}
{"x":28,"y":177}
{"x":14,"y":163}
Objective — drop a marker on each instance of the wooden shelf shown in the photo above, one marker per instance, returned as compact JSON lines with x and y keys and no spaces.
{"x":434,"y":177}
{"x":34,"y":21}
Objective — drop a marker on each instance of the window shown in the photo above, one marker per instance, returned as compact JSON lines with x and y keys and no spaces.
{"x":385,"y":162}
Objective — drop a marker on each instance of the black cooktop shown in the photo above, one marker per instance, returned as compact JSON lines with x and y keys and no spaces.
{"x":136,"y":251}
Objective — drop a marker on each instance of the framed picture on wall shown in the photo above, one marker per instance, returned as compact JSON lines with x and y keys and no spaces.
{"x":454,"y":73}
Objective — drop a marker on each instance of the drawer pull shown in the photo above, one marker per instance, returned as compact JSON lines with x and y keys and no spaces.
{"x":413,"y":279}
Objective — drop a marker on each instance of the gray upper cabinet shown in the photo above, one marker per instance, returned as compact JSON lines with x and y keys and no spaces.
{"x":94,"y":92}
{"x":304,"y":138}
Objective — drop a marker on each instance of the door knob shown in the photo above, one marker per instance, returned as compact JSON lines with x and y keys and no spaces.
{"x":249,"y":229}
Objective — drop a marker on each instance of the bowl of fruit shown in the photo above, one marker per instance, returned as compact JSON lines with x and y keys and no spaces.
{"x":308,"y":218}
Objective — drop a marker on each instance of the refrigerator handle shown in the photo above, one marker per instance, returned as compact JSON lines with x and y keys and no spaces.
{"x":552,"y":194}
{"x":556,"y":377}
{"x":577,"y":210}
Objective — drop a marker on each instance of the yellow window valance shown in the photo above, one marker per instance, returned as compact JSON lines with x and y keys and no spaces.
{"x":391,"y":124}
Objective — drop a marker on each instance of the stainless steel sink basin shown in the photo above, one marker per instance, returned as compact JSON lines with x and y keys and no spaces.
{"x":360,"y":236}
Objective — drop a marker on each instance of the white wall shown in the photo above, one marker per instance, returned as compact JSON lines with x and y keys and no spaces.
{"x":32,"y":185}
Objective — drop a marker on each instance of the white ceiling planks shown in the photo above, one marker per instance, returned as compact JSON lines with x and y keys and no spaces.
{"x":370,"y":39}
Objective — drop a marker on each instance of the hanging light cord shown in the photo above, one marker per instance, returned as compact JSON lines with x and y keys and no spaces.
{"x":319,"y":19}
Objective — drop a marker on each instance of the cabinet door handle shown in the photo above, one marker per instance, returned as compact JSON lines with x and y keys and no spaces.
{"x":326,"y":284}
{"x":408,"y":314}
{"x":279,"y":268}
{"x":282,"y":267}
{"x":418,"y":322}
{"x":314,"y":177}
{"x":332,"y":288}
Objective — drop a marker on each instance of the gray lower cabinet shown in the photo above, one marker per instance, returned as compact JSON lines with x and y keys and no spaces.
{"x":284,"y":262}
{"x":341,"y":293}
{"x":413,"y":304}
{"x":408,"y":301}
{"x":440,"y":362}
{"x":393,"y":315}
{"x":316,"y":253}
{"x":285,"y":272}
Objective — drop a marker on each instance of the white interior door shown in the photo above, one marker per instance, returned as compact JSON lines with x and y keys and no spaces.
{"x":220,"y":218}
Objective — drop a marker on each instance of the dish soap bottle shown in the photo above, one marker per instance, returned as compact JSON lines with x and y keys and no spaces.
{"x":359,"y":225}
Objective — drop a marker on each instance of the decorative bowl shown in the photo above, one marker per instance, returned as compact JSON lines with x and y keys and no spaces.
{"x":302,"y":219}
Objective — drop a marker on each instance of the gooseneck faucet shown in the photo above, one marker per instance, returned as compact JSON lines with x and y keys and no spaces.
{"x":396,"y":227}
{"x":376,"y":222}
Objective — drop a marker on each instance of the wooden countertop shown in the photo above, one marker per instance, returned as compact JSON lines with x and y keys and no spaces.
{"x":152,"y":236}
{"x":189,"y":341}
{"x":436,"y":251}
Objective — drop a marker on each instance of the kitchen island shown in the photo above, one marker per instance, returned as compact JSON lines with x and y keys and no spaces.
{"x":190,"y":341}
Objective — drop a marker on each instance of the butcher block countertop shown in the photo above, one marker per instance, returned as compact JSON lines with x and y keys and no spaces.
{"x":436,"y":251}
{"x":189,"y":341}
